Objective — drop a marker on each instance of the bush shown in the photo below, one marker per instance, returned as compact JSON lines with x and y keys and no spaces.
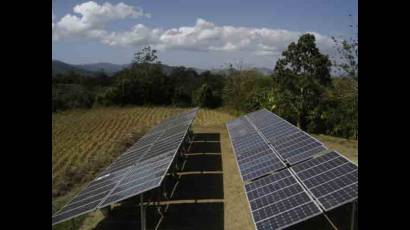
{"x":68,"y":96}
{"x":204,"y":97}
{"x":337,"y":115}
{"x":246,"y":90}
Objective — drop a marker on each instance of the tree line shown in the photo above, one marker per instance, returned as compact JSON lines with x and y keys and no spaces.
{"x":300,"y":89}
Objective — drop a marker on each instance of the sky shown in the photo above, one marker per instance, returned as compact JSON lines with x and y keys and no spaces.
{"x":203,"y":34}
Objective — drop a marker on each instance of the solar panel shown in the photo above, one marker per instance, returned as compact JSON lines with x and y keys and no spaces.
{"x":291,"y":143}
{"x":88,"y":199}
{"x":331,"y":178}
{"x":254,"y":156}
{"x":140,"y":168}
{"x":142,"y":177}
{"x":278,"y":200}
{"x":280,"y":195}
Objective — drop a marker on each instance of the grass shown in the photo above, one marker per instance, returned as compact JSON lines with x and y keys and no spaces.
{"x":236,"y":208}
{"x":85,"y":141}
{"x":343,"y":146}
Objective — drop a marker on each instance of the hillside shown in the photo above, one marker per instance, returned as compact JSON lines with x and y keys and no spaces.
{"x":85,"y":141}
{"x":108,"y":68}
{"x":59,"y":67}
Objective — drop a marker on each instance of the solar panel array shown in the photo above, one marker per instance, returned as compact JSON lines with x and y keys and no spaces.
{"x":140,"y":168}
{"x":289,"y":176}
{"x":291,"y":143}
{"x":278,"y":200}
{"x":331,"y":178}
{"x":254,"y":156}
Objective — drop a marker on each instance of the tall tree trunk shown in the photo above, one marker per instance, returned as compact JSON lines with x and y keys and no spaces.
{"x":301,"y":123}
{"x":355,"y":133}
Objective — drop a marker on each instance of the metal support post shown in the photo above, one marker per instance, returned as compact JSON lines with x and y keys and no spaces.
{"x":142,"y":212}
{"x":353,"y":215}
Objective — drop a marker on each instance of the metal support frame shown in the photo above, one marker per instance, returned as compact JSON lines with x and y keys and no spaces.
{"x":330,"y":221}
{"x":353,"y":218}
{"x":142,"y":213}
{"x":179,"y":166}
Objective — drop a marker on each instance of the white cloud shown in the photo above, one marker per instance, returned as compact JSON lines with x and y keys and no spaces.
{"x":92,"y":19}
{"x":97,"y":15}
{"x":203,"y":36}
{"x":53,"y":17}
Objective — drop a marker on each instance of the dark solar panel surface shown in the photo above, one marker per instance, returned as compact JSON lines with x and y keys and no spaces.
{"x":331,"y":178}
{"x":254,"y":156}
{"x":291,"y":143}
{"x":278,"y":200}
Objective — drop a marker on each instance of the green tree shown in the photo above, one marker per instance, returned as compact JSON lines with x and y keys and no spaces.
{"x":340,"y":116}
{"x":348,"y":57}
{"x":146,"y":61}
{"x":215,"y":82}
{"x":264,"y":98}
{"x":146,"y":56}
{"x":300,"y":77}
{"x":142,"y":84}
{"x":184,"y":81}
{"x":204,"y":96}
{"x":244,"y":90}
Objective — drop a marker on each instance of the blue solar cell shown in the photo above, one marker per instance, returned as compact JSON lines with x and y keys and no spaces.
{"x":278,"y":200}
{"x":276,"y":177}
{"x":265,"y":159}
{"x":339,"y":197}
{"x":285,"y":203}
{"x":291,"y":217}
{"x":305,"y":155}
{"x":273,"y":197}
{"x":308,"y":164}
{"x":270,"y":187}
{"x":331,"y":178}
{"x":299,"y":148}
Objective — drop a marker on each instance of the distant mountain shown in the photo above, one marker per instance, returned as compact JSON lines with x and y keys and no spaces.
{"x":167,"y":69}
{"x":59,"y":67}
{"x":108,"y":68}
{"x":199,"y":71}
{"x":262,"y":70}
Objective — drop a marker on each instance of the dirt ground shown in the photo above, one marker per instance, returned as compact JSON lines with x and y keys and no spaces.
{"x":343,"y":146}
{"x":236,"y":209}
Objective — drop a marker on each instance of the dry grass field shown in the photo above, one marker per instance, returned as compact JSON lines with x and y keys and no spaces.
{"x":82,"y":137}
{"x":84,"y":141}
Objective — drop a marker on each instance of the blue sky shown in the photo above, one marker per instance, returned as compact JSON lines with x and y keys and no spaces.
{"x":204,"y":34}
